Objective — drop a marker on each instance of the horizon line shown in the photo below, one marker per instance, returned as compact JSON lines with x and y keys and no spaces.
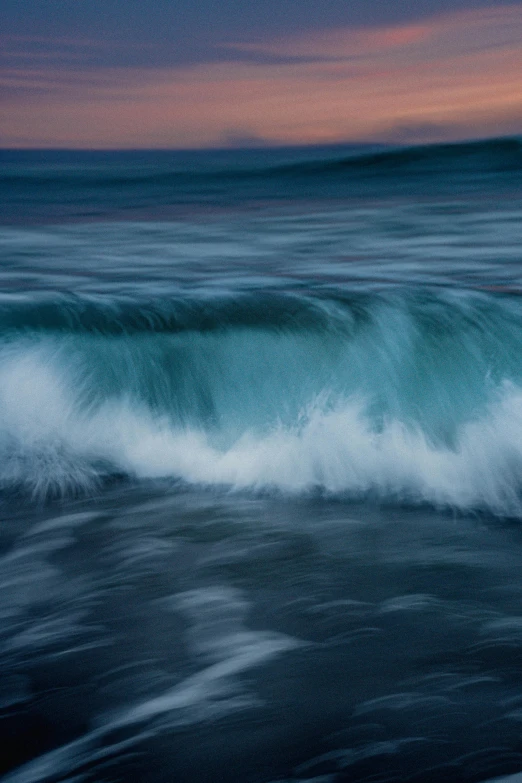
{"x":272,"y":147}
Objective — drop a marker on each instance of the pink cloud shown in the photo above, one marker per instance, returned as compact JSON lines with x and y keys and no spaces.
{"x":460,"y":74}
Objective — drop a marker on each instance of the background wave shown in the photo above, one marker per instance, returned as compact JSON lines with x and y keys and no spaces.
{"x":80,"y":184}
{"x":501,"y":155}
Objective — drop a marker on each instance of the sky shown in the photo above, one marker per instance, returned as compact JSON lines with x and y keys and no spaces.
{"x":120,"y":74}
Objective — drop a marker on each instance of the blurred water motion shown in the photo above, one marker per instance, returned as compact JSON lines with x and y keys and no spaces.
{"x":261,"y":440}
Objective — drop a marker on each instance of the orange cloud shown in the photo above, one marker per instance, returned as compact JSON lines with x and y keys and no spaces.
{"x":459,"y":74}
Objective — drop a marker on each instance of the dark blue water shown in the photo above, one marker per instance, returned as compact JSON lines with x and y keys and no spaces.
{"x":261,"y":464}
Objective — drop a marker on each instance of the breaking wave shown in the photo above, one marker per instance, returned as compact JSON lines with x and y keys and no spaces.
{"x":399,"y":396}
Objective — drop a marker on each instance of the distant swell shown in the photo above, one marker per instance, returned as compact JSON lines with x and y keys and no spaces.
{"x":399,"y":396}
{"x":491,"y":155}
{"x":502,"y":155}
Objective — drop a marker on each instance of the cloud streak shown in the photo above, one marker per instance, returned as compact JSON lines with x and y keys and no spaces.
{"x":449,"y":76}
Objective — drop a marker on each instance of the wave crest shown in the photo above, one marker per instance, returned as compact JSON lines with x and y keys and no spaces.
{"x":52,"y":442}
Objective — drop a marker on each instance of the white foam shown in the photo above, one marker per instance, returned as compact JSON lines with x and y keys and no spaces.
{"x":218,"y":636}
{"x":49,"y":441}
{"x":64,"y":521}
{"x":407,"y":603}
{"x":338,"y":452}
{"x":401,"y":701}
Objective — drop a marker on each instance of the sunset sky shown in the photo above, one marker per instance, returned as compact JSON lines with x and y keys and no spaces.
{"x":179,"y":73}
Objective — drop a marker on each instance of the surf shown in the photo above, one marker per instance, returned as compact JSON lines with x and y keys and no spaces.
{"x":401,"y":396}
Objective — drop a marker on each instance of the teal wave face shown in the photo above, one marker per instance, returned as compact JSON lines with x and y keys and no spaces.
{"x":239,"y":363}
{"x":398,"y":394}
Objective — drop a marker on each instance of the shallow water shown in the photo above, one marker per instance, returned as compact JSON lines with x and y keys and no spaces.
{"x":202,"y":636}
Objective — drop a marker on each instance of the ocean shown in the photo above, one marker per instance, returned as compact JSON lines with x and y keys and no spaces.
{"x":261,"y":465}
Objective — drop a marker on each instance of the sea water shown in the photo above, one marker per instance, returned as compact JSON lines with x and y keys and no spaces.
{"x":261,"y":465}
